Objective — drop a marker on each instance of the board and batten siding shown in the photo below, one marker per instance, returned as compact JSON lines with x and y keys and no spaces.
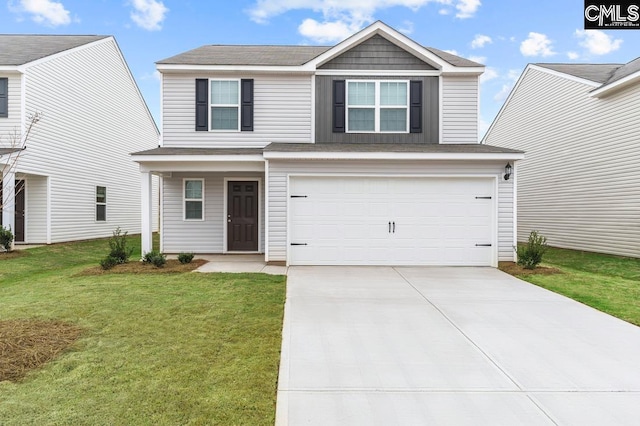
{"x":279,"y":171}
{"x":282,"y":112}
{"x":324,"y":114}
{"x":200,"y":236}
{"x":578,"y":184}
{"x":460,"y":109}
{"x":92,"y":119}
{"x":13,"y":122}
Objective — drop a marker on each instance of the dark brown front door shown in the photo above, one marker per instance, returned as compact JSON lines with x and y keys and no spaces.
{"x":20,"y":196}
{"x":242,"y":216}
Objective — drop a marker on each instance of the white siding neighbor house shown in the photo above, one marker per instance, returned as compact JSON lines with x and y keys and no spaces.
{"x":578,"y":123}
{"x":363,"y":153}
{"x":74,"y":178}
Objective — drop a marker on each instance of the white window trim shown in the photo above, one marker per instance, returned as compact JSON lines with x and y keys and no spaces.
{"x":211,"y":105}
{"x":185,"y":199}
{"x":377,"y":107}
{"x":95,"y":218}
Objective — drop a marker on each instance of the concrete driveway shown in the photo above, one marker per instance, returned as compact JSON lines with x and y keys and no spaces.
{"x":449,"y":346}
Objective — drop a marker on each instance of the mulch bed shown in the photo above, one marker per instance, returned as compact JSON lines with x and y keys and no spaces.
{"x":135,"y":267}
{"x":27,"y":344}
{"x":4,"y":255}
{"x":513,"y":268}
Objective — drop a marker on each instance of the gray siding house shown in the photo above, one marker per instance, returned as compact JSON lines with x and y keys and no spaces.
{"x":579,"y":184}
{"x":74,"y":180}
{"x":363,"y":153}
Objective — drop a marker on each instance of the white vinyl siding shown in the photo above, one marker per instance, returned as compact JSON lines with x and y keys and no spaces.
{"x":282,"y":112}
{"x":12,"y":123}
{"x":280,"y":170}
{"x":92,"y":119}
{"x":578,"y":184}
{"x":35,"y":210}
{"x":204,"y":236}
{"x":459,"y":109}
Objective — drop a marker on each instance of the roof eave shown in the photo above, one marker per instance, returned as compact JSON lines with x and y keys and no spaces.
{"x":275,"y":155}
{"x":607,"y":89}
{"x":234,"y":68}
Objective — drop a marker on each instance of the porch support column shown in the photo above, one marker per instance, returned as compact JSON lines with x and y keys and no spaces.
{"x":9,"y":200}
{"x":147,"y":212}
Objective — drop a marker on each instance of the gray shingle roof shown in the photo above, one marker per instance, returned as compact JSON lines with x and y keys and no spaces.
{"x":200,"y":151}
{"x":21,"y":49}
{"x":600,"y":73}
{"x":625,"y":70}
{"x":274,"y":56}
{"x":247,"y":55}
{"x":4,"y":151}
{"x":386,"y":147}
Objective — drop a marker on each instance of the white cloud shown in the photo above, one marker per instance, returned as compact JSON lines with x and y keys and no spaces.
{"x":407,"y":27}
{"x":324,"y":32}
{"x":597,"y":42}
{"x":48,"y":12}
{"x":537,"y":45}
{"x":480,"y":41}
{"x":443,"y":11}
{"x":510,"y":81}
{"x":340,"y":14}
{"x":483,"y":126}
{"x":478,"y":59}
{"x":467,"y":8}
{"x":452,"y":51}
{"x":489,"y":74}
{"x":148,"y":14}
{"x":573,"y":55}
{"x":156,"y":76}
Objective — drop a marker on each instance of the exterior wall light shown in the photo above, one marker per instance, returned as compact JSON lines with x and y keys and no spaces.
{"x":507,"y":171}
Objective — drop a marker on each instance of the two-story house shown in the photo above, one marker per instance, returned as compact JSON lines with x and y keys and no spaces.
{"x":72,"y":177}
{"x":363,"y":153}
{"x":579,"y":124}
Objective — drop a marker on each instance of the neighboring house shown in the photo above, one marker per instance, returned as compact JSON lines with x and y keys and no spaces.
{"x":74,"y":179}
{"x":364,"y":153}
{"x":580,"y":127}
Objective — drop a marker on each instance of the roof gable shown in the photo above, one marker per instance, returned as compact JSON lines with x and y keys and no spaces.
{"x":16,"y":50}
{"x":377,"y":53}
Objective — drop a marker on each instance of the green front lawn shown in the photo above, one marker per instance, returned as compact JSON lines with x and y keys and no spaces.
{"x":605,"y":282}
{"x":182,"y":348}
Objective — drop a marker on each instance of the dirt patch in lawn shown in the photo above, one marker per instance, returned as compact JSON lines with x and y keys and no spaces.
{"x":28,"y":344}
{"x":6,"y":255}
{"x":171,"y":267}
{"x":513,"y":268}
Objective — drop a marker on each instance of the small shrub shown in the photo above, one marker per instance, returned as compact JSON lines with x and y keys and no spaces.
{"x":118,"y":246}
{"x":155,"y":257}
{"x":530,"y":255}
{"x":6,"y":238}
{"x":185,"y":257}
{"x":109,"y":262}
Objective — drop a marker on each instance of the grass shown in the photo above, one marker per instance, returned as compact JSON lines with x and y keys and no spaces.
{"x":605,"y":282}
{"x":180,"y":348}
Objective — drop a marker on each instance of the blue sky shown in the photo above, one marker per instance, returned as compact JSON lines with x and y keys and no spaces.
{"x":504,"y":35}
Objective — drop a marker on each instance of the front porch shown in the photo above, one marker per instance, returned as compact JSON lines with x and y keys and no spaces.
{"x":211,"y":200}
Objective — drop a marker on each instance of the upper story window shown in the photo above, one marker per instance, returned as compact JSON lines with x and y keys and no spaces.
{"x":225,"y":105}
{"x":377,"y":106}
{"x":4,"y":97}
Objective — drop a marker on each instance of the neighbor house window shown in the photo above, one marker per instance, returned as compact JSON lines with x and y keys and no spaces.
{"x":225,"y":104}
{"x":4,"y":97}
{"x":101,"y":203}
{"x":193,"y":199}
{"x":377,"y":106}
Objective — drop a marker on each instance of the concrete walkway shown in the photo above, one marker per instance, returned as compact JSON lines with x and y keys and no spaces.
{"x":449,"y":346}
{"x":239,"y":263}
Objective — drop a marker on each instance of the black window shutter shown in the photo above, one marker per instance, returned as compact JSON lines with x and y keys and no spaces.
{"x":415,"y":106}
{"x":246,"y":111}
{"x":4,"y":97}
{"x":202,"y":104}
{"x":339,"y":106}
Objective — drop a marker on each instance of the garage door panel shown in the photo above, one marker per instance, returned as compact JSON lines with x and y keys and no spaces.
{"x":345,"y":220}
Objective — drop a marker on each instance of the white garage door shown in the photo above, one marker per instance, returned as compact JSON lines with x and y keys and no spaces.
{"x":391,"y":221}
